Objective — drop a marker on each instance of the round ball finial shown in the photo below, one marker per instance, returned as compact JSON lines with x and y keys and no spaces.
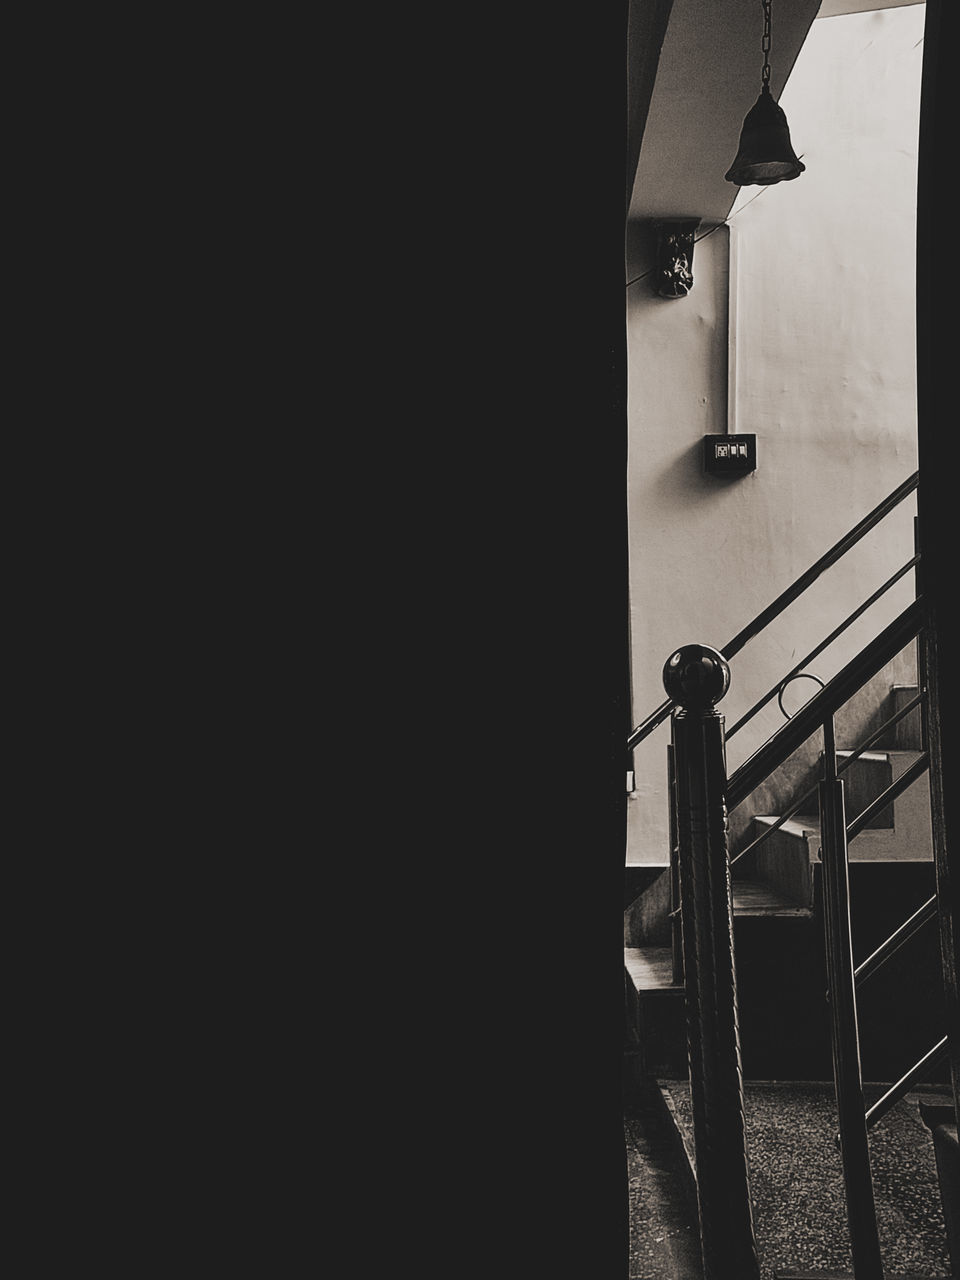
{"x":696,"y":676}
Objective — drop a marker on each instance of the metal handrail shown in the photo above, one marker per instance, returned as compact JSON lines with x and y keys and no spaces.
{"x":647,"y":727}
{"x":930,"y":1059}
{"x":787,"y":597}
{"x":822,"y":705}
{"x":824,"y":644}
{"x":896,"y":940}
{"x":829,"y":558}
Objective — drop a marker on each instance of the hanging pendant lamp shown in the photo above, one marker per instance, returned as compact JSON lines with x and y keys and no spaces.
{"x":766,"y":154}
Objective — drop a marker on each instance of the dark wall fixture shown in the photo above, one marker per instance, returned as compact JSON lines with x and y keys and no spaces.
{"x":673,"y":277}
{"x":729,"y":455}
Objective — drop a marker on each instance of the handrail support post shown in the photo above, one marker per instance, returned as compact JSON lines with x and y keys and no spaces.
{"x":696,"y":677}
{"x":857,"y":1177}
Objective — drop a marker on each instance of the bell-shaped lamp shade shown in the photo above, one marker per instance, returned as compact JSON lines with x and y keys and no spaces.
{"x":766,"y":155}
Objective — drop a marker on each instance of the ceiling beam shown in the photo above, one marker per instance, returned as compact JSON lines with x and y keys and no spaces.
{"x":646,"y":28}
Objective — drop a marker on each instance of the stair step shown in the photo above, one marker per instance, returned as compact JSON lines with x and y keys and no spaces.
{"x":659,"y":1012}
{"x":907,"y":732}
{"x":638,"y":879}
{"x":753,"y":897}
{"x":864,"y":778}
{"x":785,"y":860}
{"x":651,"y":968}
{"x":873,"y":844}
{"x":799,"y":825}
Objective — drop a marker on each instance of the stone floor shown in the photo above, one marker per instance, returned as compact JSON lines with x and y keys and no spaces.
{"x":797,"y":1185}
{"x":664,"y":1235}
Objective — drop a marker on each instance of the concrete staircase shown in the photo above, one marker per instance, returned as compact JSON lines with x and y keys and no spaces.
{"x":778,"y":934}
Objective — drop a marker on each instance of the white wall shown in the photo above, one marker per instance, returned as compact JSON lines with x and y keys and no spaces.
{"x":818,"y":277}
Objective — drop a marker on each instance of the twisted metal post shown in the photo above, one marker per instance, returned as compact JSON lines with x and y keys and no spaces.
{"x":696,"y":678}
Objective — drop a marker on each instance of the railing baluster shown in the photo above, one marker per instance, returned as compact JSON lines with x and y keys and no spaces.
{"x":933,"y":657}
{"x":696,"y":678}
{"x":858,"y":1182}
{"x":676,"y":936}
{"x":921,"y":647}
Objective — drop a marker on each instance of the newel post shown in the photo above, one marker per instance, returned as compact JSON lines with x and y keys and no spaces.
{"x":696,"y":678}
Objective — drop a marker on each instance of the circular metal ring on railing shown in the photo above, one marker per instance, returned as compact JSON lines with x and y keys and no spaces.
{"x":799,"y":675}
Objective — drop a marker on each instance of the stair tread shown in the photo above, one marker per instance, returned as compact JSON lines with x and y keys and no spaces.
{"x":878,"y":753}
{"x":650,"y":968}
{"x":758,"y":898}
{"x":797,"y":826}
{"x":884,"y":753}
{"x":873,"y":844}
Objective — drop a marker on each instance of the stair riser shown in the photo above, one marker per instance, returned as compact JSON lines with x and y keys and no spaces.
{"x":783,"y":860}
{"x":906,"y":733}
{"x":912,"y":811}
{"x":863,"y":780}
{"x":781,"y":980}
{"x":662,"y":1029}
{"x":646,"y":921}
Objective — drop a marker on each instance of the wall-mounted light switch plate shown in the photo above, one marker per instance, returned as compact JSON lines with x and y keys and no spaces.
{"x":729,"y":455}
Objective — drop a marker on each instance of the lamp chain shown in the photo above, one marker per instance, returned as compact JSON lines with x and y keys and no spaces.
{"x":765,"y":74}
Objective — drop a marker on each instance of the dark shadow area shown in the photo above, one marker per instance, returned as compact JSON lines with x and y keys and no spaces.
{"x":664,"y":1235}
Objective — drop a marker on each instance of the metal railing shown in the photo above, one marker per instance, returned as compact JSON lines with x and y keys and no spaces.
{"x":701,"y":902}
{"x":848,"y":681}
{"x":843,"y":979}
{"x":824,"y":644}
{"x":792,"y":593}
{"x":798,"y":806}
{"x":701,"y":797}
